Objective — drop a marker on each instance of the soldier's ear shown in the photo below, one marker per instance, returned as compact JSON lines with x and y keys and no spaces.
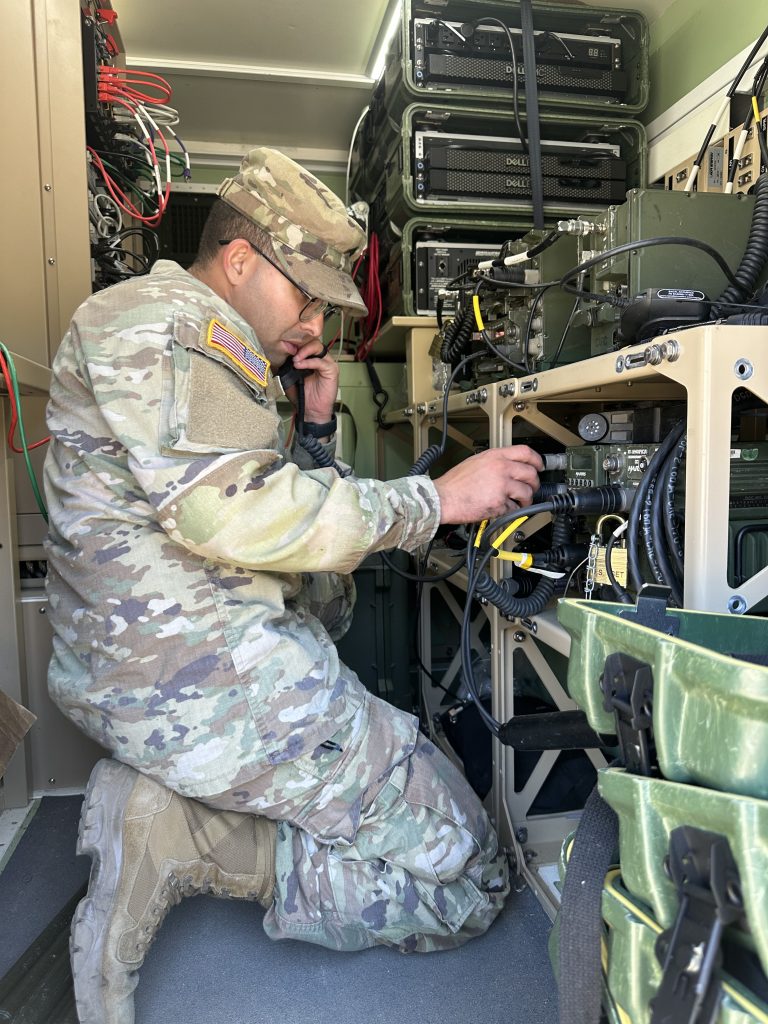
{"x":237,"y":259}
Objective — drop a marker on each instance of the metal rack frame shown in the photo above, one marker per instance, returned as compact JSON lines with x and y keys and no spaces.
{"x":702,"y":366}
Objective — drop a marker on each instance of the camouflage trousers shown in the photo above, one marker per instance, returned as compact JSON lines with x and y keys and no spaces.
{"x":380,"y":841}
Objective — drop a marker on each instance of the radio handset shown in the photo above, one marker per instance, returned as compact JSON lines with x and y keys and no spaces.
{"x":289,"y":375}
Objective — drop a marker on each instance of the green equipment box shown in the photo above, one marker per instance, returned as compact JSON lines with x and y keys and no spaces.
{"x":586,"y":58}
{"x":721,"y":221}
{"x":456,"y":161}
{"x":708,"y":688}
{"x":650,"y":810}
{"x":634,"y":973}
{"x":431,"y":252}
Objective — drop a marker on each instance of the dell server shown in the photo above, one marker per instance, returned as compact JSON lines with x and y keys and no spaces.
{"x":449,"y":53}
{"x":468,"y":167}
{"x":437,"y":263}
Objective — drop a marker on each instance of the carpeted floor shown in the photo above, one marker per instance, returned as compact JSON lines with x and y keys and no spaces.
{"x":213,"y":964}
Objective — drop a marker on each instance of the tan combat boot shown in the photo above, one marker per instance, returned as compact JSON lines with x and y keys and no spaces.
{"x":149,"y":848}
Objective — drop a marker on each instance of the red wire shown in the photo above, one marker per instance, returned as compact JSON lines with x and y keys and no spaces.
{"x":122,"y":200}
{"x":371,"y":293}
{"x":110,"y":77}
{"x":15,"y":414}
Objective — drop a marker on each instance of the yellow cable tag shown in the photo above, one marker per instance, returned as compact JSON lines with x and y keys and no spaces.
{"x":480,"y":532}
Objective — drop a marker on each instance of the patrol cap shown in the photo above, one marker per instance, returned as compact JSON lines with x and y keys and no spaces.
{"x":314,"y":239}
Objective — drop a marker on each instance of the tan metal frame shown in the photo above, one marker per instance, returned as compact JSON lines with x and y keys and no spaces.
{"x":704,"y":366}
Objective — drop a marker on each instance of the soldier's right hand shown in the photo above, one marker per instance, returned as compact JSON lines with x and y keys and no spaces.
{"x":489,"y":484}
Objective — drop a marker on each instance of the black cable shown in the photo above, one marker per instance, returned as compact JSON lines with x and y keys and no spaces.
{"x":621,"y":594}
{"x":528,"y":328}
{"x":591,"y":500}
{"x":635,"y":511}
{"x":642,"y":243}
{"x":310,"y":444}
{"x":755,"y":252}
{"x":568,"y":325}
{"x":646,"y":530}
{"x":466,"y":644}
{"x":416,"y":578}
{"x":532,"y":112}
{"x":666,"y":568}
{"x":515,"y":85}
{"x":500,"y":355}
{"x":512,"y":605}
{"x":671,"y":531}
{"x":731,"y":90}
{"x":458,"y":335}
{"x":429,"y":457}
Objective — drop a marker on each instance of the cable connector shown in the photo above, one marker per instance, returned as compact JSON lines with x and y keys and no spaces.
{"x":579,"y":227}
{"x":512,"y":275}
{"x":596,"y":500}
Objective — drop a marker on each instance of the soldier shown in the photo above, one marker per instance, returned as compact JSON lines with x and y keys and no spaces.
{"x":198,"y":578}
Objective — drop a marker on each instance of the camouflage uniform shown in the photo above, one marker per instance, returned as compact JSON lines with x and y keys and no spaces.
{"x":195,"y":599}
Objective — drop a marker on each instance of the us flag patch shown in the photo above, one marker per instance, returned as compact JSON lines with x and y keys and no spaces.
{"x":252,"y":363}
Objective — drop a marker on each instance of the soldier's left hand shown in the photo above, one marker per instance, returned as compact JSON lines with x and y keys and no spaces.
{"x":322,"y":382}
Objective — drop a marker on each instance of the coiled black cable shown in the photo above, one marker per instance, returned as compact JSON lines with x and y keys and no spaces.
{"x":458,"y":335}
{"x":429,"y":457}
{"x":512,"y":605}
{"x":310,"y":444}
{"x":755,"y":253}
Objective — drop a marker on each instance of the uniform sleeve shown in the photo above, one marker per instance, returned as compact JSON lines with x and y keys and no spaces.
{"x":255,"y":510}
{"x":207,"y":453}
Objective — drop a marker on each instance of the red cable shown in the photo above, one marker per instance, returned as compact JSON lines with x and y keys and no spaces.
{"x":15,"y":414}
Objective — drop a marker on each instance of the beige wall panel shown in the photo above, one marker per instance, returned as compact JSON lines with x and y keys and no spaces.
{"x":22,"y":262}
{"x":63,"y":166}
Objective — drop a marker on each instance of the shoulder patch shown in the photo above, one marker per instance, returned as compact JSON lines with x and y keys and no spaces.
{"x":238,"y":351}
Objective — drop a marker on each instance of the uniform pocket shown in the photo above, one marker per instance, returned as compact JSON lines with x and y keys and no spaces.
{"x":211,"y":409}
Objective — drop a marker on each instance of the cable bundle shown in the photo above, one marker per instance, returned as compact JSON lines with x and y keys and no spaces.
{"x":130,"y":95}
{"x":8,"y":371}
{"x":370,"y":291}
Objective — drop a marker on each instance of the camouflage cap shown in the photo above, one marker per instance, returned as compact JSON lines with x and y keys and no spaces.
{"x":315,"y":241}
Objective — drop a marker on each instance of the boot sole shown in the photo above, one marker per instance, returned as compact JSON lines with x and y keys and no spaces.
{"x":99,"y":836}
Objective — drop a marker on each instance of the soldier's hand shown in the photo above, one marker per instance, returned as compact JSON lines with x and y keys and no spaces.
{"x":321,"y":383}
{"x":489,"y":484}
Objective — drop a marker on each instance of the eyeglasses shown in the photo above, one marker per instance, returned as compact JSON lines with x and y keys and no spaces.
{"x":312,"y":307}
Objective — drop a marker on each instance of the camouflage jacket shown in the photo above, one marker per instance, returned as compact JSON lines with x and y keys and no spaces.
{"x":183,"y":537}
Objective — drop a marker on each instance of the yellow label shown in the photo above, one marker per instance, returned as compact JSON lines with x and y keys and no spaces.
{"x":618,"y":565}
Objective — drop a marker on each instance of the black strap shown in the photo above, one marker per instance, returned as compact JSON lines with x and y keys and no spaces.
{"x":532,"y":112}
{"x":594,"y":850}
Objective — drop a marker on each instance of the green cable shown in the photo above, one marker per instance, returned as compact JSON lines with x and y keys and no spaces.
{"x":17,"y":398}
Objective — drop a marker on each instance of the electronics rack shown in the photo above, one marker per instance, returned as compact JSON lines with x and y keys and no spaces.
{"x":585,"y":57}
{"x":128,"y":126}
{"x":443,"y":132}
